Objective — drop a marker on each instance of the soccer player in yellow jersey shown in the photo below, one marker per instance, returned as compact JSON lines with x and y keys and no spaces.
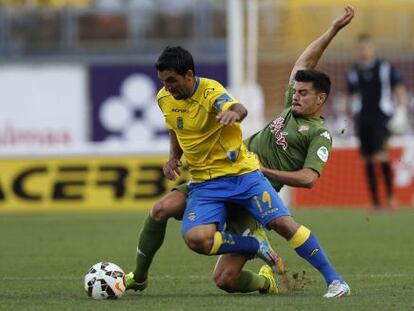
{"x":203,"y":119}
{"x":305,"y":98}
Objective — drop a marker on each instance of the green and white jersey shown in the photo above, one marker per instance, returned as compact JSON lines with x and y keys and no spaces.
{"x":291,"y":143}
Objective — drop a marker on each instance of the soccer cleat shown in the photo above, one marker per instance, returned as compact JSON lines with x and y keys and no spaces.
{"x":337,"y":289}
{"x":260,"y":234}
{"x":269,"y":256}
{"x":130,"y":283}
{"x":268,"y":273}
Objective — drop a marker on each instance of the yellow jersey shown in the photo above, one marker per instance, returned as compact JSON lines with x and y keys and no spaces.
{"x":210,"y":149}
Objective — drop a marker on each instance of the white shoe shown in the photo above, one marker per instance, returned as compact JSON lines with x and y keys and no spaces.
{"x":337,"y":289}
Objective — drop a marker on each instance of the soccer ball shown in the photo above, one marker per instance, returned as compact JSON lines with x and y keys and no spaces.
{"x":105,"y":280}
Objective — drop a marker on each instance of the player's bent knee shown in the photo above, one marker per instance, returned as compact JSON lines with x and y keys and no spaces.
{"x":226,"y":280}
{"x":198,"y":242}
{"x":159,"y":212}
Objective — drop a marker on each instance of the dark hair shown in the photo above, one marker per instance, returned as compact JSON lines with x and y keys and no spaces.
{"x":363,"y":37}
{"x":175,"y":58}
{"x":320,"y":81}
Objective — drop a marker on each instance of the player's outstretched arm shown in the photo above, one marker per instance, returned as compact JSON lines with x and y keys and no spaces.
{"x":311,"y":55}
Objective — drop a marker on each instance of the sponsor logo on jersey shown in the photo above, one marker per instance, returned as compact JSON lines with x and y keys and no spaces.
{"x":179,"y":110}
{"x":323,"y":153}
{"x":303,"y":128}
{"x":326,"y":135}
{"x":276,"y":129}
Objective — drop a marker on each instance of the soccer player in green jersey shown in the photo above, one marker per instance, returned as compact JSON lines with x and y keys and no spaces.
{"x":293,"y":149}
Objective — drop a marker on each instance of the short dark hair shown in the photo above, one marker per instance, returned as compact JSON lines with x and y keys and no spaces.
{"x":175,"y":58}
{"x":320,"y":81}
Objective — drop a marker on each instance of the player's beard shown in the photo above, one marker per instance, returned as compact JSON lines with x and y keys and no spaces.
{"x":297,"y":114}
{"x":179,"y":95}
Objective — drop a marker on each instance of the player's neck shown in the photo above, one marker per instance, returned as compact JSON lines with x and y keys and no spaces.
{"x":315,"y":115}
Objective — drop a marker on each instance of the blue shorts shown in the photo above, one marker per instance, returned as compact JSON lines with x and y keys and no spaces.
{"x":206,"y":201}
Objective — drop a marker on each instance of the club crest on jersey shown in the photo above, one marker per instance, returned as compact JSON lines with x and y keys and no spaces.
{"x":180,"y":123}
{"x":323,"y":153}
{"x":276,"y":129}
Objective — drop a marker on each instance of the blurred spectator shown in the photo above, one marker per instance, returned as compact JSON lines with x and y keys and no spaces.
{"x":373,"y":83}
{"x":47,"y":3}
{"x":141,"y":17}
{"x":79,"y":28}
{"x":63,"y":3}
{"x":95,"y":27}
{"x":176,"y":18}
{"x":35,"y":30}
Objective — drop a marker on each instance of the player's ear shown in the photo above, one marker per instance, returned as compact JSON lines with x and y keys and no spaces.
{"x":322,"y":98}
{"x":189,"y":74}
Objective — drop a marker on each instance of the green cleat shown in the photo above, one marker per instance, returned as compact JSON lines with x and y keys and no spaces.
{"x":268,"y":273}
{"x":260,"y":234}
{"x":130,"y":283}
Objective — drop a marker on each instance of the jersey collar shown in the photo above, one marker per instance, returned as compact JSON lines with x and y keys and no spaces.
{"x":195,"y":88}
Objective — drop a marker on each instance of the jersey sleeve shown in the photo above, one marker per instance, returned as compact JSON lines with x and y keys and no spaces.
{"x":319,"y":150}
{"x":219,"y":99}
{"x":289,"y":95}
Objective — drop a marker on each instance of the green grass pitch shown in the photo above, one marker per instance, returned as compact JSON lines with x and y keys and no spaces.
{"x":43,"y":258}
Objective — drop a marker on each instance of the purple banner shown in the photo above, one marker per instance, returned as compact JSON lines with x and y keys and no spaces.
{"x":123,"y":100}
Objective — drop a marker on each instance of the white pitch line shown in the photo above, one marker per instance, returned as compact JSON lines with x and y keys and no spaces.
{"x":191,"y":277}
{"x":385,"y":275}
